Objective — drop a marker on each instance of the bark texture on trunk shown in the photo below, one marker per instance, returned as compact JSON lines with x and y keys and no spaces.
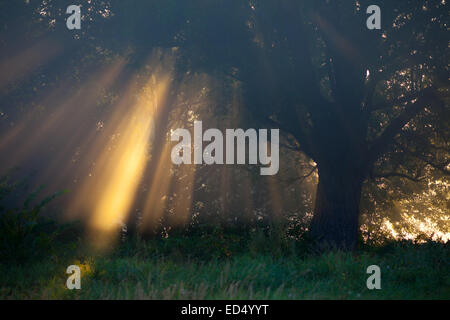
{"x":336,"y":215}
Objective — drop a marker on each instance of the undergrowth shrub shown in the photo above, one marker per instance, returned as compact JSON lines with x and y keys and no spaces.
{"x":26,"y":235}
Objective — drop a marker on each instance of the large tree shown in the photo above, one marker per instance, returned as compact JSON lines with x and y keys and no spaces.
{"x":345,"y":95}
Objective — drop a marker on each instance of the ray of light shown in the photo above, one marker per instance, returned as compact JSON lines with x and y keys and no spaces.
{"x":275,"y":197}
{"x":183,"y":189}
{"x":19,"y":64}
{"x":49,"y":139}
{"x":76,"y":128}
{"x":114,"y":162}
{"x":247,"y":195}
{"x":120,"y":164}
{"x":156,"y":202}
{"x":338,"y":40}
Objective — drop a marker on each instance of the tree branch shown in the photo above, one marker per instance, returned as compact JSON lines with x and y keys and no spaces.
{"x":397,"y":174}
{"x":300,"y":178}
{"x":439,"y":166}
{"x":415,"y":106}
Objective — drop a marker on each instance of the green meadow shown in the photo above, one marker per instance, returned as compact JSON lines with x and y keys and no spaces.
{"x":205,"y":267}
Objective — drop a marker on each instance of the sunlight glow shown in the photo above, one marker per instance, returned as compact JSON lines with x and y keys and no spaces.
{"x":51,"y":137}
{"x":122,"y":162}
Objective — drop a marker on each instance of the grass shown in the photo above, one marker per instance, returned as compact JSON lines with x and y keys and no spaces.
{"x":232,"y":267}
{"x":204,"y":263}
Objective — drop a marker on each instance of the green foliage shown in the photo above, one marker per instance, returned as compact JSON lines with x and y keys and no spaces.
{"x":24,"y":234}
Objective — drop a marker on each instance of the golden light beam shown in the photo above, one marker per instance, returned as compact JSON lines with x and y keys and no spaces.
{"x":110,"y":190}
{"x":50,"y":139}
{"x":157,"y":197}
{"x":122,"y":175}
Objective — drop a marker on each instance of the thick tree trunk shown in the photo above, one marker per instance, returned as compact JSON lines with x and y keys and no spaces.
{"x":336,"y":213}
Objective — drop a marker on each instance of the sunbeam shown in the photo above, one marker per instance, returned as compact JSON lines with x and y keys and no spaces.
{"x":111,"y":187}
{"x":18,"y":65}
